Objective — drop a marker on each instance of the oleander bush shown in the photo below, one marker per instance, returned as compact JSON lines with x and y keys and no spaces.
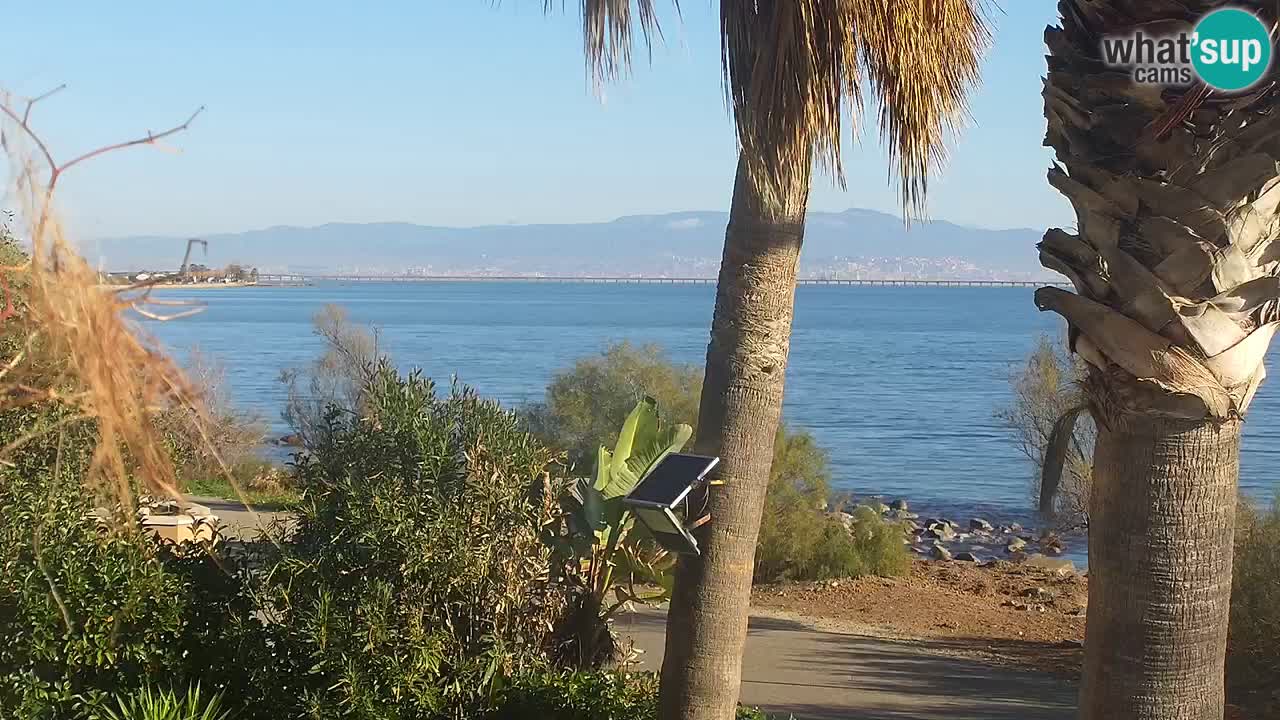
{"x":416,"y":581}
{"x":90,"y":606}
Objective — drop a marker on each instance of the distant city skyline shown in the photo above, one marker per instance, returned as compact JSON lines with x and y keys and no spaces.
{"x":848,"y":244}
{"x":450,"y":114}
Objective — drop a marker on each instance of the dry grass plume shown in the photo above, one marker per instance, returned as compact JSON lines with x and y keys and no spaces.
{"x":82,"y":348}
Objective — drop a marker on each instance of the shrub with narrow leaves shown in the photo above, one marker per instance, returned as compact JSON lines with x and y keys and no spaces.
{"x":1253,"y":660}
{"x":417,"y":580}
{"x":148,"y":703}
{"x":88,"y":611}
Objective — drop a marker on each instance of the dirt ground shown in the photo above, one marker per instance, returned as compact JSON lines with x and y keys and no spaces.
{"x":1007,"y":613}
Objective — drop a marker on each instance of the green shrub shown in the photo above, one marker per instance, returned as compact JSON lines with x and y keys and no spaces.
{"x":586,"y":403}
{"x":417,"y":579}
{"x":803,"y":545}
{"x":587,"y":696}
{"x":87,"y":612}
{"x":151,"y":704}
{"x":580,"y":696}
{"x":1253,"y":660}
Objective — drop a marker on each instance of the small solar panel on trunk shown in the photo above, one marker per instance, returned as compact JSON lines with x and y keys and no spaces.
{"x":667,"y":483}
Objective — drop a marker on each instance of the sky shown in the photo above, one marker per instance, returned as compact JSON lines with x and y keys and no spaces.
{"x":449,"y":112}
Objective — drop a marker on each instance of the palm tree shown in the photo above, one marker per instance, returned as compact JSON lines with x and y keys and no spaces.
{"x":1175,"y":271}
{"x":791,"y":68}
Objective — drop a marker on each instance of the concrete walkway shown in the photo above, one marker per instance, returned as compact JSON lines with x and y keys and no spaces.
{"x":237,"y":520}
{"x":793,"y":668}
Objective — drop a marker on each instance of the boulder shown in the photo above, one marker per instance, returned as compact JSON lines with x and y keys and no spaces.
{"x":1015,"y":528}
{"x":1015,"y":545}
{"x":881,"y":508}
{"x":1057,"y":566}
{"x":940,"y":531}
{"x":940,"y":552}
{"x":968,"y":557}
{"x":899,"y":505}
{"x":980,"y":524}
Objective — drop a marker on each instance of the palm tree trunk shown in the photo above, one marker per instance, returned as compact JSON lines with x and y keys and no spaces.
{"x":738,"y":421}
{"x":1163,"y":511}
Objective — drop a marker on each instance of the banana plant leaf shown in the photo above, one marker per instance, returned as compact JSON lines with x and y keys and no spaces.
{"x":642,"y":443}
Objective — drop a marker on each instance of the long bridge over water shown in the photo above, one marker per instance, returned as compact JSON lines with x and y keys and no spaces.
{"x":307,"y":278}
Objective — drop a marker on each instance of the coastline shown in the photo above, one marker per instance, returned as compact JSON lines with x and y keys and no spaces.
{"x":186,"y":286}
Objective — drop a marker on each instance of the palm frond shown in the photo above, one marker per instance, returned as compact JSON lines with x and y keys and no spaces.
{"x":792,"y":68}
{"x":608,"y":30}
{"x":922,"y":58}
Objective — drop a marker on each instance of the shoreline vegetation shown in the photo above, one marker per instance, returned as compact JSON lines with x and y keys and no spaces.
{"x":185,"y":286}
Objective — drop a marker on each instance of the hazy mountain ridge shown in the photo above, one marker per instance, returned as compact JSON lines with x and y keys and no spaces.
{"x":851,"y":243}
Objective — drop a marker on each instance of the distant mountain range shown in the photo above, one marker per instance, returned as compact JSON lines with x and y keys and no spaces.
{"x":853,"y":243}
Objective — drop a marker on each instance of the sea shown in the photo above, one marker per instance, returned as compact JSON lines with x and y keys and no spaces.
{"x":900,"y":385}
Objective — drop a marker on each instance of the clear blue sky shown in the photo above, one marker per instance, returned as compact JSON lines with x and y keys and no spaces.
{"x":448,"y":112}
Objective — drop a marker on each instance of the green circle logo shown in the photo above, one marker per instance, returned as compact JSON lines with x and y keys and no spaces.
{"x":1231,"y":49}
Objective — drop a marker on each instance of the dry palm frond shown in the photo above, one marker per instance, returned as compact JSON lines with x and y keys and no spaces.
{"x":93,"y":360}
{"x":607,"y":30}
{"x":792,"y":66}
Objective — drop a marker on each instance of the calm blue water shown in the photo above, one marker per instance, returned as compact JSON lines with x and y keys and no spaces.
{"x":899,"y":384}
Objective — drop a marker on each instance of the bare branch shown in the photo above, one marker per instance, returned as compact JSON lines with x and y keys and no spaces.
{"x":26,"y":115}
{"x":150,"y":139}
{"x":22,"y":123}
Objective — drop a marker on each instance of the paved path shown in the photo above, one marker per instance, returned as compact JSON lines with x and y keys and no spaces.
{"x":791,"y":667}
{"x":238,"y":521}
{"x":818,"y":674}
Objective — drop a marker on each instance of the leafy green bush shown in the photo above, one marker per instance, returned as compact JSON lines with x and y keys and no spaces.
{"x":88,"y":611}
{"x":1253,"y":659}
{"x":587,"y":696}
{"x":417,"y":578}
{"x":586,"y":404}
{"x":580,"y":696}
{"x":148,"y":703}
{"x":798,"y":547}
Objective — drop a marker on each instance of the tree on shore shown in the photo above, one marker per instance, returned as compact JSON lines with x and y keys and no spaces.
{"x":1175,"y":191}
{"x":790,"y":69}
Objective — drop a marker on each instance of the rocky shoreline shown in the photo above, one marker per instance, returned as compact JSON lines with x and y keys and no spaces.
{"x":976,"y":541}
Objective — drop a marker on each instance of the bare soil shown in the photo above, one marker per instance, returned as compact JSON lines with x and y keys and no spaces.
{"x":1007,"y":613}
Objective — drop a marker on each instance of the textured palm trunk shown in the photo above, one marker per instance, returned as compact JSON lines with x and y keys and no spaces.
{"x":1160,"y":569}
{"x":738,"y":421}
{"x":1175,"y":268}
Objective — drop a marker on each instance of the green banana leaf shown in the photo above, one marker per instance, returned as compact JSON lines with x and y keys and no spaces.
{"x":642,"y":443}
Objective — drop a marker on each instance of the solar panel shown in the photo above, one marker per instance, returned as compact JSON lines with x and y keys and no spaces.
{"x":672,"y":479}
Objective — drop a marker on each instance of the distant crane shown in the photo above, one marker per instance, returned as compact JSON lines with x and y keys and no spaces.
{"x":187,"y":258}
